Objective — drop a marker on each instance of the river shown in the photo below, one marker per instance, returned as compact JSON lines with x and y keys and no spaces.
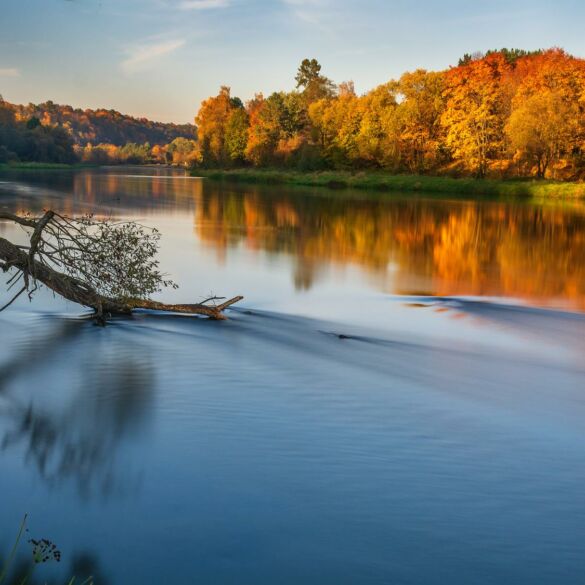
{"x":399,"y":399}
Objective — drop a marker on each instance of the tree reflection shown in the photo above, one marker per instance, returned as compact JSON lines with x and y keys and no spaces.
{"x":79,"y":437}
{"x":519,"y":250}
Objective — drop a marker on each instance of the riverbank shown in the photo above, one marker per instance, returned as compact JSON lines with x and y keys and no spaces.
{"x":38,"y":166}
{"x":400,"y":183}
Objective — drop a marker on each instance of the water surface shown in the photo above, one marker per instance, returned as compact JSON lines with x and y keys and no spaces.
{"x":399,"y":399}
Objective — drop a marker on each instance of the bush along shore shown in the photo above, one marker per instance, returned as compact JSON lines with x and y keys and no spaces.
{"x":381,"y":181}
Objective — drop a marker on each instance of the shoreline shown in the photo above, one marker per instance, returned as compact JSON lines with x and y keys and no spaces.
{"x":33,"y":166}
{"x":380,"y":181}
{"x":39,"y":166}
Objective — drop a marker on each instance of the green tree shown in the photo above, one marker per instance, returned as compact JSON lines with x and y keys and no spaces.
{"x":33,"y":123}
{"x":315,"y":86}
{"x":236,"y":135}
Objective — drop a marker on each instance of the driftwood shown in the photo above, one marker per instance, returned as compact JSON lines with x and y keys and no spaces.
{"x":39,"y":263}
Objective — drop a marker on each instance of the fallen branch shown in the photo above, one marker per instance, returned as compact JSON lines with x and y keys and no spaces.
{"x":108,"y":267}
{"x":211,"y":311}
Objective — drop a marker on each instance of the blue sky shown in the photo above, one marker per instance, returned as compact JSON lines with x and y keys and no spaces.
{"x":160,"y":58}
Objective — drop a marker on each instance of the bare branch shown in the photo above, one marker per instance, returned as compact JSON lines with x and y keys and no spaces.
{"x":21,"y":291}
{"x":212,"y":299}
{"x":229,"y":303}
{"x":37,"y":234}
{"x":18,"y":219}
{"x":14,"y":280}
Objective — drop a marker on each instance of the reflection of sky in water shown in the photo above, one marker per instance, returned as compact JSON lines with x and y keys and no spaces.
{"x":327,"y":433}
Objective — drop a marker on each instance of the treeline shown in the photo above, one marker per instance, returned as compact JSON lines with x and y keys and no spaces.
{"x":60,"y":134}
{"x":30,"y":141}
{"x":504,"y":113}
{"x":103,"y":126}
{"x":180,"y":152}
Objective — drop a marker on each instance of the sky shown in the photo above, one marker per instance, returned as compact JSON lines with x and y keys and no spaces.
{"x":160,"y":58}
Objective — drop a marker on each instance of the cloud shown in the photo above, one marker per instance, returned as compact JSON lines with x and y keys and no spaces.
{"x":9,"y":72}
{"x":491,"y":17}
{"x":142,"y":56}
{"x":317,"y":13}
{"x":203,"y":4}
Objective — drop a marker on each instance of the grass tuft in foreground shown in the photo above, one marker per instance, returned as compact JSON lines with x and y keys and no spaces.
{"x":42,"y":551}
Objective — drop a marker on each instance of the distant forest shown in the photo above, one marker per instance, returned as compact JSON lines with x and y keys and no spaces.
{"x":51,"y":132}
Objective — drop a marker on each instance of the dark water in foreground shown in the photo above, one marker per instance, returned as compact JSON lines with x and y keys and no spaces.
{"x":400,"y":398}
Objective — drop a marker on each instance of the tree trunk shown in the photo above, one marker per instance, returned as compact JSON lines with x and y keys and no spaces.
{"x":77,"y":292}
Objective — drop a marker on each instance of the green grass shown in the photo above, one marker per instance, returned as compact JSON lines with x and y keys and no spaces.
{"x":17,"y":166}
{"x":6,"y":566}
{"x":380,"y":181}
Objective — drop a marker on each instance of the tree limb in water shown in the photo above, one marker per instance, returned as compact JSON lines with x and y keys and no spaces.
{"x":108,"y":266}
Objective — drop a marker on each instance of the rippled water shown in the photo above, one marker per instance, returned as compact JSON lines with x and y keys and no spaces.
{"x":399,"y":399}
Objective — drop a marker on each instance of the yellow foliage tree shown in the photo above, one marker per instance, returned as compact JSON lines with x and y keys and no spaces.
{"x":212,"y":120}
{"x":542,"y":127}
{"x":420,"y":115}
{"x":474,"y":115}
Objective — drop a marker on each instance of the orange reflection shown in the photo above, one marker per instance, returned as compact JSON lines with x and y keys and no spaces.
{"x":517,"y":250}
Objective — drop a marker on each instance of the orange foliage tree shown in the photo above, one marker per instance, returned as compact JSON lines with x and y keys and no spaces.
{"x":475,"y":111}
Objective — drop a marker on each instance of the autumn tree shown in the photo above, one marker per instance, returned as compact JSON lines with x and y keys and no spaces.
{"x":212,"y":121}
{"x":474,"y":112}
{"x":183,"y":152}
{"x":541,"y":128}
{"x":377,"y":141}
{"x":277,"y":127}
{"x":7,"y":116}
{"x":7,"y":131}
{"x":259,"y":146}
{"x":420,"y":111}
{"x":359,"y":131}
{"x":336,"y":125}
{"x":561,"y":78}
{"x":159,"y":154}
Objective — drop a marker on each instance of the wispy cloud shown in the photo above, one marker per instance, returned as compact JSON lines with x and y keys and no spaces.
{"x":143,"y":56}
{"x":491,"y":17}
{"x":203,"y":4}
{"x":313,"y":12}
{"x":9,"y":72}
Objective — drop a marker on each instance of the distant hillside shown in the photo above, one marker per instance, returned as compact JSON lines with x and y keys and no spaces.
{"x":103,"y":126}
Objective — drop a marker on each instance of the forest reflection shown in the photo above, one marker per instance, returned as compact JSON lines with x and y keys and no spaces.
{"x":453,"y":247}
{"x":405,"y":244}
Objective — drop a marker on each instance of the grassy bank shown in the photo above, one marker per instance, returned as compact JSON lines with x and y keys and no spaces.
{"x":400,"y":183}
{"x":23,"y":166}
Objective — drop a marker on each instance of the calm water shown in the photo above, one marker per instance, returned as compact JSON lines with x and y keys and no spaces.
{"x":400,"y":399}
